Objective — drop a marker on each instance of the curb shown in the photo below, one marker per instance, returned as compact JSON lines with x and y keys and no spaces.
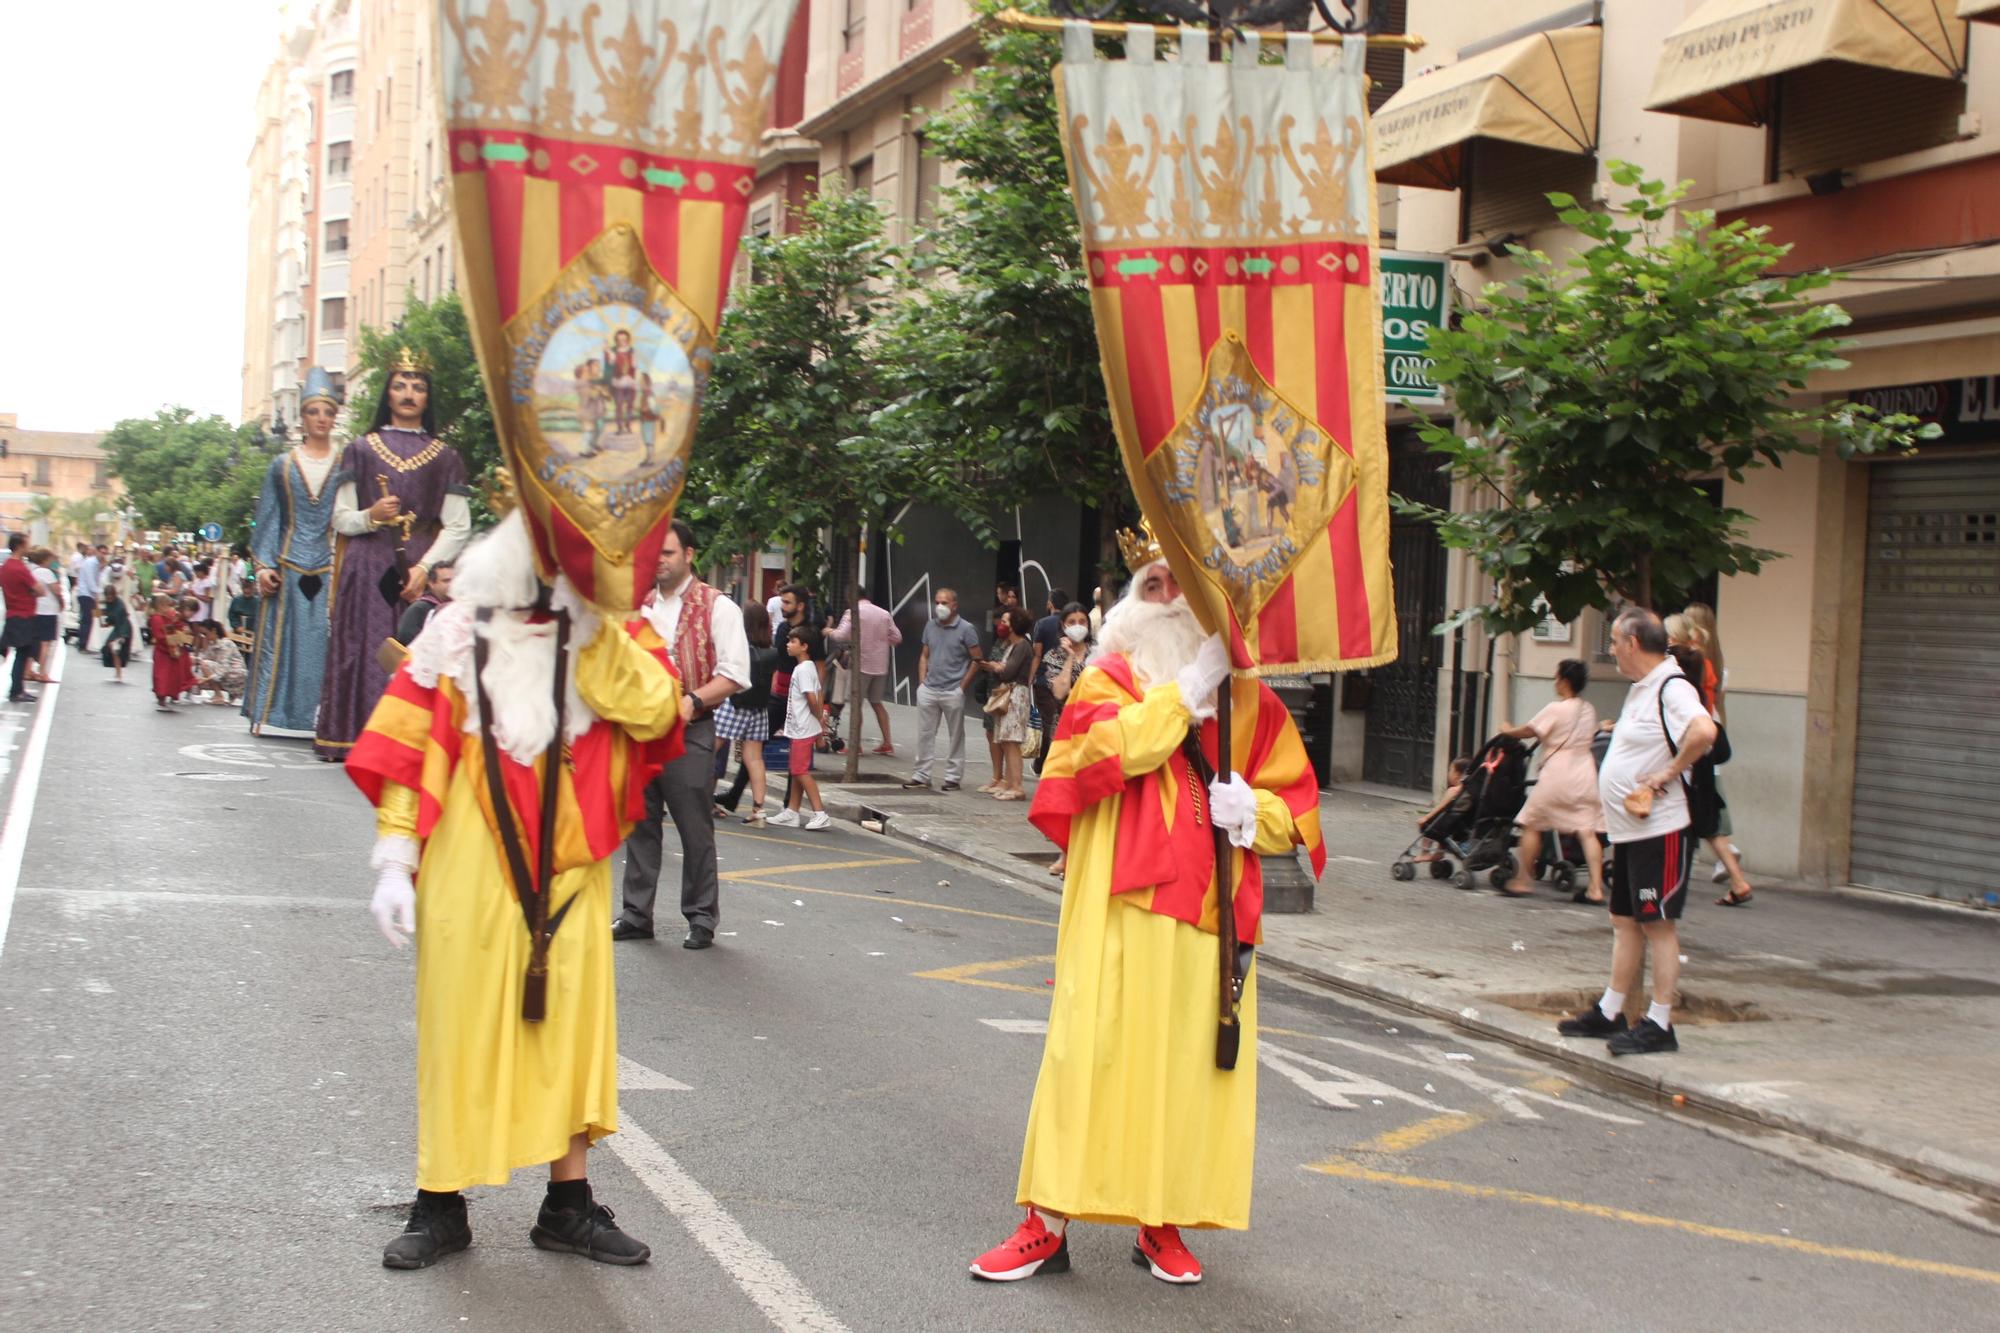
{"x":1600,"y":1071}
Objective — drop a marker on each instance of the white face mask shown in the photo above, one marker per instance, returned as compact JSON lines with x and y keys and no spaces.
{"x":1076,"y":633}
{"x":943,"y":611}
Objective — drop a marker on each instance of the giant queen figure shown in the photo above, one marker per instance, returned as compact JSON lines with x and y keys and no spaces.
{"x":400,"y":505}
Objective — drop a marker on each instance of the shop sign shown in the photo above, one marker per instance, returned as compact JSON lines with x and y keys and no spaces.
{"x":1967,"y":410}
{"x":1415,"y":294}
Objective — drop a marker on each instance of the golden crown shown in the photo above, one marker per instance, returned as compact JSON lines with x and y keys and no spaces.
{"x":409,"y":361}
{"x":1139,"y":546}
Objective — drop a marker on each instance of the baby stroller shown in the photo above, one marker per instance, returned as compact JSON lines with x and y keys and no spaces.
{"x":1478,"y":826}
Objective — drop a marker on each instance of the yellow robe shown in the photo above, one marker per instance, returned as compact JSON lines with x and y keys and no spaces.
{"x":495,"y":1093}
{"x":1132,"y":1122}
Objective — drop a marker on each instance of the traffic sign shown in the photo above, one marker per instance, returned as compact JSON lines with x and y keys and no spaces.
{"x":211,"y":532}
{"x":1415,"y":296}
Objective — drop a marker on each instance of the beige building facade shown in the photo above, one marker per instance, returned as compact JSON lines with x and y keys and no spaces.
{"x":1862,"y":698}
{"x":67,"y":466}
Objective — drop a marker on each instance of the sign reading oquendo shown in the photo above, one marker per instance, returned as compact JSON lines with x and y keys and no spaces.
{"x":1967,"y":410}
{"x":1415,"y":291}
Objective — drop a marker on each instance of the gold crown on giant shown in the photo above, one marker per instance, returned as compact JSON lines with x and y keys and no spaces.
{"x":1139,"y":546}
{"x":410,"y":361}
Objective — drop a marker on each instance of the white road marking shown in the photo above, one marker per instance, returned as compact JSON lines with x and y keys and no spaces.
{"x":635,"y":1077}
{"x":755,"y":1270}
{"x":1027,"y":1027}
{"x":253,"y":756}
{"x":21,"y":810}
{"x":1335,"y":1091}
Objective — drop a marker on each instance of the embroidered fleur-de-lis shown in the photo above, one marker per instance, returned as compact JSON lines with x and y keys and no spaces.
{"x":742,"y":102}
{"x":1222,"y":182}
{"x":1122,"y":192}
{"x":627,"y":88}
{"x":494,"y":72}
{"x":1322,"y":176}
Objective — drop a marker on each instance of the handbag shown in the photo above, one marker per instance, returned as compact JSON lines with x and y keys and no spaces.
{"x":1705,"y":803}
{"x":1000,"y":699}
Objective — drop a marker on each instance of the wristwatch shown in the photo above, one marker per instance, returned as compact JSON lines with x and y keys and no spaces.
{"x":701,"y":709}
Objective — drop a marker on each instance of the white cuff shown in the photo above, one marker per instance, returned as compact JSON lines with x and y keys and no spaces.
{"x":393,"y":850}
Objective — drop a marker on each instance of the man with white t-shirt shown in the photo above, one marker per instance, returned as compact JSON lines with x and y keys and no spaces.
{"x":1662,"y":730}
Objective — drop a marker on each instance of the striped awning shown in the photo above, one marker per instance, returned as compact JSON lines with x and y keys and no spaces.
{"x":1721,"y":63}
{"x":1539,"y":90}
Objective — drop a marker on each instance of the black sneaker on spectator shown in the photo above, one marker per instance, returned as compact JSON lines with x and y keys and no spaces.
{"x":1649,"y":1038}
{"x":1592,"y":1023}
{"x":438,"y":1226}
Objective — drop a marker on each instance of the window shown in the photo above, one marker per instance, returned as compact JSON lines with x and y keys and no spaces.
{"x":42,"y":472}
{"x":336,"y":236}
{"x":426,"y":288}
{"x":857,"y":22}
{"x":1834,"y":114}
{"x":861,"y":176}
{"x":100,"y":476}
{"x":1385,"y":63}
{"x":1506,"y":187}
{"x":339,"y":160}
{"x":930,"y":179}
{"x":340,"y":86}
{"x":333,"y":316}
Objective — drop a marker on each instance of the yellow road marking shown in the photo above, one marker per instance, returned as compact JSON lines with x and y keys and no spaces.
{"x":767,"y":837}
{"x":1416,"y":1135}
{"x":884,"y":900}
{"x":973,"y":974}
{"x":754,"y":871}
{"x":1337,"y":1166}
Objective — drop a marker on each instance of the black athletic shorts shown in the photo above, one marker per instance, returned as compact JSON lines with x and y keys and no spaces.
{"x":1650,"y":877}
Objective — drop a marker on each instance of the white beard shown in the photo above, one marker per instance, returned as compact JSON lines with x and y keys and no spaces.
{"x":498,"y":572}
{"x":1157,"y":638}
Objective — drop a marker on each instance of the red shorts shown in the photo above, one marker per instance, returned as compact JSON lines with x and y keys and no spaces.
{"x":802,"y":756}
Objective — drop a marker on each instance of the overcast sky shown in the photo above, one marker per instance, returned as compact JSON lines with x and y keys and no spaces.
{"x":124,"y":131}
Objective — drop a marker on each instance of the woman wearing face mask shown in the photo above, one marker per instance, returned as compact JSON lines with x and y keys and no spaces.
{"x":1007,"y":727}
{"x":1060,"y":668}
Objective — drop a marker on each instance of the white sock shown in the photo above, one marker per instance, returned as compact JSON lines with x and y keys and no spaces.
{"x":1613,"y":1003}
{"x":1055,"y":1224}
{"x":1661,"y":1014}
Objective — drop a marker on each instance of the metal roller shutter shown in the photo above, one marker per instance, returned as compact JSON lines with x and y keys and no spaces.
{"x":1927,"y":754}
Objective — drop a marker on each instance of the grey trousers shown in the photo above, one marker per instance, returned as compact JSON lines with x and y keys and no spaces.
{"x":934,"y":707}
{"x":685,"y":790}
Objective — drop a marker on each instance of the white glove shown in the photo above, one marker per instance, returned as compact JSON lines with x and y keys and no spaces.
{"x":1232,"y":806}
{"x":1199,"y":678}
{"x":394,"y":905}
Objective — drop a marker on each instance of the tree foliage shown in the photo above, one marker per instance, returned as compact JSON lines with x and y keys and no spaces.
{"x":1599,"y":391}
{"x":993,"y":360}
{"x":438,"y":331}
{"x":181,"y":471}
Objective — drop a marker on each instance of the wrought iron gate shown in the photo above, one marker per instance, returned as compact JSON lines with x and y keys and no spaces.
{"x":1402,"y":701}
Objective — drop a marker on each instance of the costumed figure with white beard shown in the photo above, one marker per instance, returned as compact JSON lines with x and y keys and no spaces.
{"x":509,"y":894}
{"x":1133,"y":1122}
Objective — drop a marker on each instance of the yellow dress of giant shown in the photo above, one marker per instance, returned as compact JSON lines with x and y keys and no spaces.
{"x":1132,"y":1123}
{"x":495,"y":1093}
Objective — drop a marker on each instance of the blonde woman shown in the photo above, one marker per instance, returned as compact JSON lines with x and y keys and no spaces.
{"x":1685,"y":637}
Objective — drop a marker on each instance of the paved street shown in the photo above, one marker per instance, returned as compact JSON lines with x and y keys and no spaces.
{"x":207,"y":1051}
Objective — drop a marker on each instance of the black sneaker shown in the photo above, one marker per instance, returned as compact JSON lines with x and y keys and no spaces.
{"x":913,"y":784}
{"x":1649,"y":1038}
{"x":621,"y":929}
{"x":1592,"y":1023}
{"x":592,"y":1234}
{"x":949,"y":786}
{"x":434,"y":1230}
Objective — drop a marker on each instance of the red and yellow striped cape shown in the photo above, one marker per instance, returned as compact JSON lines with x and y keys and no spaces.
{"x":416,"y":737}
{"x":1086,"y":765}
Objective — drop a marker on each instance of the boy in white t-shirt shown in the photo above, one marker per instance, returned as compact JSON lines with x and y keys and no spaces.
{"x":805,"y":715}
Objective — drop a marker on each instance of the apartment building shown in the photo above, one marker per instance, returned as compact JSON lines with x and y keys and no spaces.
{"x":295,"y":302}
{"x":382,"y":244}
{"x":1861,"y":702}
{"x":59,"y":464}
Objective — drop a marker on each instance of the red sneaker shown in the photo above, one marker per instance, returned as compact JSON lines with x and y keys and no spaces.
{"x":1032,"y":1249}
{"x":1160,"y":1249}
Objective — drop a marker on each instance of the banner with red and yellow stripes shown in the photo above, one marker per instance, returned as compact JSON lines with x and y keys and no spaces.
{"x":1228,"y":219}
{"x":603,"y":154}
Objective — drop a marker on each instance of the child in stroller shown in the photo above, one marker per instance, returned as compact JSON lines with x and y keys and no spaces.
{"x":1477,"y":824}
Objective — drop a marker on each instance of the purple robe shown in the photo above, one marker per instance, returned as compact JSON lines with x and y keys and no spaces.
{"x":362,"y":616}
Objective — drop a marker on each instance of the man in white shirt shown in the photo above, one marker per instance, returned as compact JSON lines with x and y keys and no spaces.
{"x":703,"y":634}
{"x":89,"y":582}
{"x":1662,"y":730}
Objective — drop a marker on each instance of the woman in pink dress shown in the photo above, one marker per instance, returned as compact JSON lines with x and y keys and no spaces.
{"x":1564,"y":799}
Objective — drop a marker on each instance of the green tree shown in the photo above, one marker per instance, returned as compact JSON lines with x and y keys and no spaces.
{"x":790,"y":445}
{"x":80,"y":519}
{"x":46,"y":510}
{"x":994,"y":360}
{"x":182,"y":471}
{"x":438,"y":332}
{"x":1599,"y":391}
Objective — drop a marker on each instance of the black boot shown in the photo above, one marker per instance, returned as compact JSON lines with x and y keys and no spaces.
{"x":438,"y":1226}
{"x":571,"y":1222}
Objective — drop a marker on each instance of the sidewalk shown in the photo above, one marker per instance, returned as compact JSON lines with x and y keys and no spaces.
{"x":1859,"y":1020}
